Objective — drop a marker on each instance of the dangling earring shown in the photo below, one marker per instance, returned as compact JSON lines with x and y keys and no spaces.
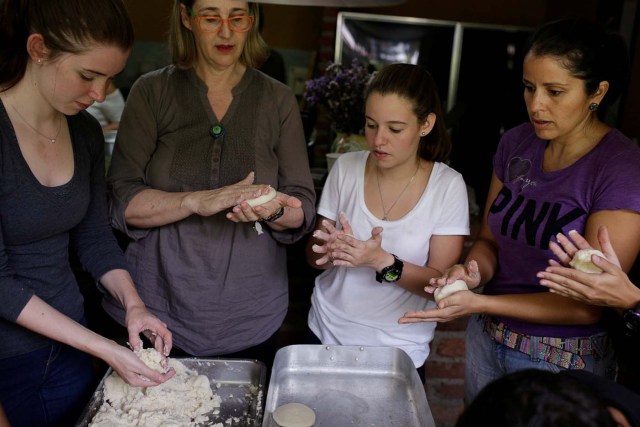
{"x":593,"y":106}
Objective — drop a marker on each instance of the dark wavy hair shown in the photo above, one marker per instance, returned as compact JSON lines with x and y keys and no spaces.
{"x":67,"y":26}
{"x":536,"y":398}
{"x":588,"y":52}
{"x":415,"y":84}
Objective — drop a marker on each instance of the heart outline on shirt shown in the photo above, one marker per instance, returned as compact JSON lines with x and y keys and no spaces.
{"x":517,"y":168}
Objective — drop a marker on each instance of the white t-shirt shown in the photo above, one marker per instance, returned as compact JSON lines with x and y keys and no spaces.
{"x":348,"y":306}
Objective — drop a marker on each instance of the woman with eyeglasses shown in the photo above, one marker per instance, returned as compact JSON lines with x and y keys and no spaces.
{"x":57,"y":57}
{"x":197,"y":139}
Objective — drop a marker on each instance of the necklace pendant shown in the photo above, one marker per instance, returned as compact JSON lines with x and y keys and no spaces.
{"x":52,"y":141}
{"x":384,"y":218}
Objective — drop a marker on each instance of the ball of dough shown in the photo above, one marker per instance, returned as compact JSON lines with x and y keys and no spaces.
{"x":262,"y":199}
{"x":582,"y":261}
{"x":446,"y":290}
{"x":152,"y":359}
{"x":294,"y":415}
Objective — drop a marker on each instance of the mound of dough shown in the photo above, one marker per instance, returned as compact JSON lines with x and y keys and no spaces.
{"x":446,"y":290}
{"x":184,"y":400}
{"x":262,"y":199}
{"x":582,"y":261}
{"x":294,"y":415}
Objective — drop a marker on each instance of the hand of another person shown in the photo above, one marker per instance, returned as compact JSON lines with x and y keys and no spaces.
{"x":243,"y":212}
{"x":456,"y":305}
{"x":139,"y":320}
{"x":4,"y":421}
{"x":570,"y":245}
{"x":133,"y":370}
{"x":470,"y":273}
{"x":328,"y":236}
{"x":611,"y":288}
{"x":348,"y":251}
{"x":210,"y":202}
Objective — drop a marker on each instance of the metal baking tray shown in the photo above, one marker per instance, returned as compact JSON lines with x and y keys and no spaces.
{"x":240,"y":384}
{"x":349,"y":386}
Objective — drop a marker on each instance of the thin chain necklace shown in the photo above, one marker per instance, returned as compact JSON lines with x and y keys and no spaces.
{"x":385,"y":212}
{"x":49,"y":139}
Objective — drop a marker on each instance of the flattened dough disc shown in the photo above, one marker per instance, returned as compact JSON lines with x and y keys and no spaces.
{"x":294,"y":415}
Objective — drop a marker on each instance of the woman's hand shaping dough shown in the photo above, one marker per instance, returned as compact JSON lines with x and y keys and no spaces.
{"x":342,"y":248}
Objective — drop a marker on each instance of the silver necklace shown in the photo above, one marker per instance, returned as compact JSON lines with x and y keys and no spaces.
{"x":49,"y":139}
{"x":385,"y":212}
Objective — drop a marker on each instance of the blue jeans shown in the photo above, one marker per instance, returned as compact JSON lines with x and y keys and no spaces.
{"x":46,"y":387}
{"x":487,"y":360}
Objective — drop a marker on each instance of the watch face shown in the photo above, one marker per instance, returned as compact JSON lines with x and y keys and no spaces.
{"x":391,"y":276}
{"x":391,"y":273}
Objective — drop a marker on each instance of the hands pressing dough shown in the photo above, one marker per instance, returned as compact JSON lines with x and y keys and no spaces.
{"x":582,"y":261}
{"x":446,"y":290}
{"x":260,"y":200}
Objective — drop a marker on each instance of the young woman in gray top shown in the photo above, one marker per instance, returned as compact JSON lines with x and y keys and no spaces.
{"x":196,"y":139}
{"x":59,"y":57}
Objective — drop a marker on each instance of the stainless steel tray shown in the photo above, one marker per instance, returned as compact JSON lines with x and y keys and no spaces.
{"x":349,"y":386}
{"x":240,"y":384}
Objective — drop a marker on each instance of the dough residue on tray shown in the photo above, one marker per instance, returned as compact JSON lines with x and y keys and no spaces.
{"x":184,"y":400}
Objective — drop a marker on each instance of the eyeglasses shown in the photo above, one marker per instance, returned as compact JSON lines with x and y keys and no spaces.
{"x":213,"y":24}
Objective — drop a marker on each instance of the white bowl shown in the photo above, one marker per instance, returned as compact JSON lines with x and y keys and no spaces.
{"x":331,"y":159}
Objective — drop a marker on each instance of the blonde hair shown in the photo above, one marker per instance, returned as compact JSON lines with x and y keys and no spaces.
{"x":182,"y":44}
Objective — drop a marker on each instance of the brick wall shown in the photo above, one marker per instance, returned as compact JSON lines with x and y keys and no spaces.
{"x":445,"y":372}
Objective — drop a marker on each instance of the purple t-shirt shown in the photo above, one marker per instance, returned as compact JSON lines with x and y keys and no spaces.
{"x":533,"y":206}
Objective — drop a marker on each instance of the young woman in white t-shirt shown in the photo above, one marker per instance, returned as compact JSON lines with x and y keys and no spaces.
{"x":389,"y":219}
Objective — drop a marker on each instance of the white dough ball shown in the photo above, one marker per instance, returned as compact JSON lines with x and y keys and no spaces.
{"x":446,"y":290}
{"x":582,"y":261}
{"x":294,"y":415}
{"x":152,"y":359}
{"x":260,"y":200}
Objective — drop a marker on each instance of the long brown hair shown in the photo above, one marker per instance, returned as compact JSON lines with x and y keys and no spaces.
{"x":415,"y":84}
{"x":67,"y":26}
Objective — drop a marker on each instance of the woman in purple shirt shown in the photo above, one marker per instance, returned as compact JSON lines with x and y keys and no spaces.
{"x":565,"y":170}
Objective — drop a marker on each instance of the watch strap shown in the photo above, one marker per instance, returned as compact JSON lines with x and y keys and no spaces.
{"x":277,"y":214}
{"x":396,"y":267}
{"x":631,"y":320}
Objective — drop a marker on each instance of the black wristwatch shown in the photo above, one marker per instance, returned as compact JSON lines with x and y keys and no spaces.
{"x":631,"y":319}
{"x":392,"y":273}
